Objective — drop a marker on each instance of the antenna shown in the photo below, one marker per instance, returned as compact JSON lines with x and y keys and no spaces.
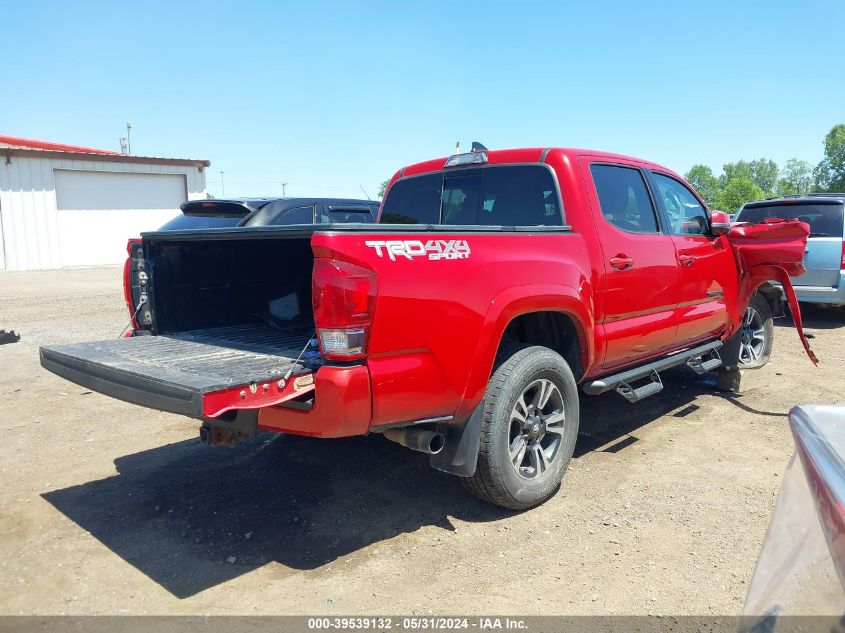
{"x":128,"y":143}
{"x":365,"y":192}
{"x":458,"y":147}
{"x":478,"y":147}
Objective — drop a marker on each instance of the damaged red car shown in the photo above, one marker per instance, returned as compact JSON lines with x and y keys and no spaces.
{"x":498,"y":289}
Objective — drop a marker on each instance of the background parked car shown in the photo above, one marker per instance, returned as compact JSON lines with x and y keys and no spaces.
{"x":205,"y":214}
{"x":824,"y":281}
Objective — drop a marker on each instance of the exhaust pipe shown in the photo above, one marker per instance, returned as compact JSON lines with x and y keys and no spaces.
{"x":420,"y":440}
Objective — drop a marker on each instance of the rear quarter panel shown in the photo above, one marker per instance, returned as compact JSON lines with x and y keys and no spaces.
{"x":438,"y":322}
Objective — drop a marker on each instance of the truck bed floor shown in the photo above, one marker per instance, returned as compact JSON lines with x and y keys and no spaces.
{"x":229,"y":353}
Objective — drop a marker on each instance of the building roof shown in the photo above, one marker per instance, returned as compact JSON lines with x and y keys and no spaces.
{"x":28,"y":143}
{"x":16,"y":146}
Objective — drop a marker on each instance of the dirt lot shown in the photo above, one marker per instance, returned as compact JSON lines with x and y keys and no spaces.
{"x":109,"y":508}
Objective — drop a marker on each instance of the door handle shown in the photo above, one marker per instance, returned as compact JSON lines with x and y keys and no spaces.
{"x":621,"y":262}
{"x":686,"y":260}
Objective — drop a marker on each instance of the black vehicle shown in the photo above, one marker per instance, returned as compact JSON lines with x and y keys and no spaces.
{"x":214,"y":213}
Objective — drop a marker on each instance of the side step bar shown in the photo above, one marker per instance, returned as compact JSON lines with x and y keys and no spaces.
{"x":705,"y":363}
{"x":702,"y":359}
{"x":635,"y":394}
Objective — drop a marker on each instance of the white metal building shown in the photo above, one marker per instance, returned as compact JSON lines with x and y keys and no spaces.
{"x":63,"y":205}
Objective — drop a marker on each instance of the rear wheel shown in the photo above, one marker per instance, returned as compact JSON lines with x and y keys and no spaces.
{"x":756,"y":334}
{"x":528,"y":429}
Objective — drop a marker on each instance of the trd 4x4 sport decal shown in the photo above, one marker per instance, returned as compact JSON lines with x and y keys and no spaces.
{"x":433,"y":249}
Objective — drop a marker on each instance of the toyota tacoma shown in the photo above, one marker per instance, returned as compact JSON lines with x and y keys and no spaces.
{"x":498,"y":291}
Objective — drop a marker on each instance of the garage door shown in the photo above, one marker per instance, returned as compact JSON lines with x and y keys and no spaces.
{"x":97,"y":211}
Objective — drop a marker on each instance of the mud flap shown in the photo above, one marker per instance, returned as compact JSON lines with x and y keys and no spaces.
{"x":460,"y":454}
{"x":730,"y":353}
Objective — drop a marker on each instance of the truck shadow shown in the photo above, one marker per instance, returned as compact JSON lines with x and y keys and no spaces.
{"x":192,"y":517}
{"x":609,"y":417}
{"x":815,"y":318}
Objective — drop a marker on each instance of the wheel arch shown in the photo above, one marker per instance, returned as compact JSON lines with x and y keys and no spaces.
{"x":774,"y":297}
{"x":521,"y":314}
{"x":548,"y":328}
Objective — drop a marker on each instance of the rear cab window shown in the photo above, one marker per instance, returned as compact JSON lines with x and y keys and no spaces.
{"x":825,"y":218}
{"x":495,"y":195}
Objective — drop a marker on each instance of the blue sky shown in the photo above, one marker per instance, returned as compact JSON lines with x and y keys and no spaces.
{"x":330,"y":96}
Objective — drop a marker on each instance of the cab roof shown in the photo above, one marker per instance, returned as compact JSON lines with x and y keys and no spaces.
{"x":532,"y":155}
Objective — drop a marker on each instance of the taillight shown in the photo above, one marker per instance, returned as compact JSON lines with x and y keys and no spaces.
{"x":842,"y":261}
{"x":135,"y":285}
{"x":344,"y":298}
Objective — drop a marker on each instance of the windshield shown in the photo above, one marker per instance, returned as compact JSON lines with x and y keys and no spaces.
{"x":512,"y":195}
{"x":825,"y":220}
{"x":200,"y":222}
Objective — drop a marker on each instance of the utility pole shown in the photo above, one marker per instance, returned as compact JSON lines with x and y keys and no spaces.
{"x":222,"y":185}
{"x":284,"y":184}
{"x":128,"y":143}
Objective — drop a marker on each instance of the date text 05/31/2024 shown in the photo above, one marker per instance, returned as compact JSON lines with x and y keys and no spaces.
{"x":415,"y":623}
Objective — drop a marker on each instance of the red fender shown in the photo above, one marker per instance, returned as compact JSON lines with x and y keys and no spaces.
{"x":771,"y":250}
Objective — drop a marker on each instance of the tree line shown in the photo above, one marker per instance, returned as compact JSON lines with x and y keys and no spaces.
{"x":743,"y":181}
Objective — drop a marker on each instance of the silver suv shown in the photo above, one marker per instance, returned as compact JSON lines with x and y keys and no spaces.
{"x":824,"y":259}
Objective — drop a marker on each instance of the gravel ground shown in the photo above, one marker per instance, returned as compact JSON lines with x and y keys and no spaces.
{"x":111,"y":508}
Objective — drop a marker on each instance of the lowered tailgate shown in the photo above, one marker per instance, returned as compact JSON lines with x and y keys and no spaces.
{"x":200,"y":373}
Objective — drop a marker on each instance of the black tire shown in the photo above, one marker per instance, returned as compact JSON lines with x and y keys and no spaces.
{"x":525,"y":371}
{"x":753,"y":352}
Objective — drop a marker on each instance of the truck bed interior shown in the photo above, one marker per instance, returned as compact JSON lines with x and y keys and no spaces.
{"x":206,"y":283}
{"x":225,"y":313}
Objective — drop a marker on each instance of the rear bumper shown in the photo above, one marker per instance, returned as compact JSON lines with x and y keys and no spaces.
{"x":338,"y":403}
{"x":341,"y":406}
{"x":820,"y":294}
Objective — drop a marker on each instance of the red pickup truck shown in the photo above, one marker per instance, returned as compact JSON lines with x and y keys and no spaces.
{"x":497,"y":285}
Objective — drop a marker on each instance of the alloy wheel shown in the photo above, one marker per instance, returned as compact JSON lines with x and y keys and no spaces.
{"x":752,"y":336}
{"x":536,"y":429}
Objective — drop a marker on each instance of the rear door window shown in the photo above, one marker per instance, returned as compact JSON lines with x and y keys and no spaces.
{"x":825,"y":220}
{"x":277,"y":213}
{"x":624,"y":199}
{"x":343,"y":215}
{"x":513,"y":195}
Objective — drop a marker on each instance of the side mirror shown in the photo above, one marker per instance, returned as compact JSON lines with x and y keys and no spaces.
{"x":695,"y":226}
{"x":720,"y":223}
